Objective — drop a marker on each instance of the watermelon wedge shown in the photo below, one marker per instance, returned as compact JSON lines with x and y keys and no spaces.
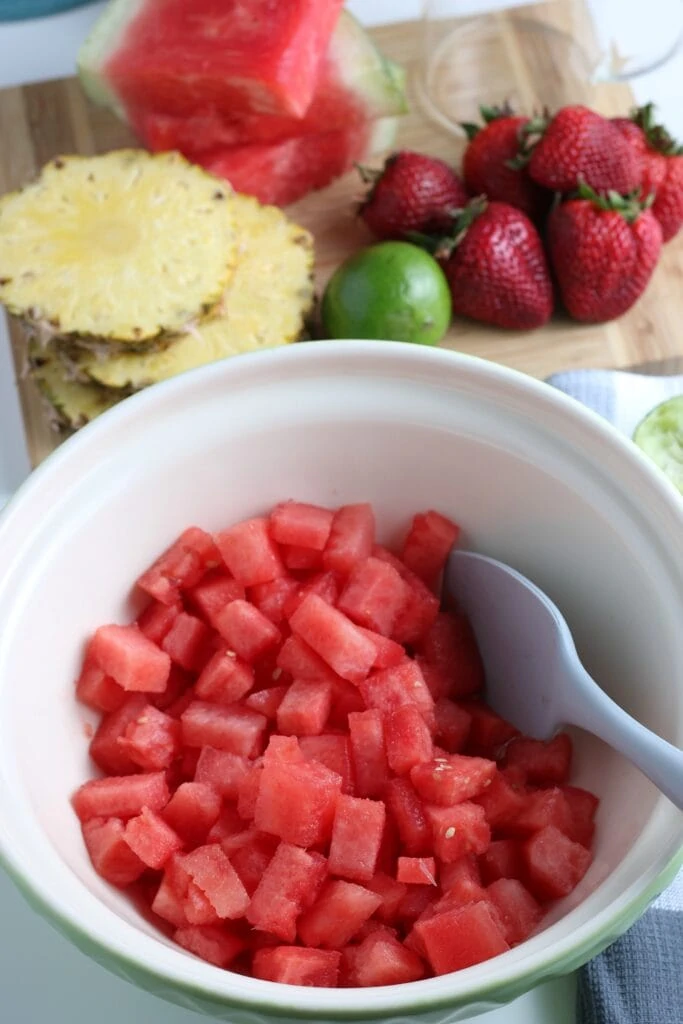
{"x":238,"y":57}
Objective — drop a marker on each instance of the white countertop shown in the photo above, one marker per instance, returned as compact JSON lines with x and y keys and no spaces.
{"x":43,"y":979}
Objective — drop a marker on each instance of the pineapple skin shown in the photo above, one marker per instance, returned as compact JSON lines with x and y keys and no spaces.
{"x":70,"y":404}
{"x":127,"y":247}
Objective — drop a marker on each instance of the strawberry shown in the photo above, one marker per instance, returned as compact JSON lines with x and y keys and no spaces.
{"x":603,"y":250}
{"x":413,"y":192}
{"x":661,"y":166}
{"x":579,"y":145}
{"x":496,"y":267}
{"x":489,"y":163}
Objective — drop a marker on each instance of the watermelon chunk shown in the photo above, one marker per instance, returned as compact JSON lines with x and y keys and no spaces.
{"x":231,"y":727}
{"x":270,"y":598}
{"x":544,"y":764}
{"x":296,"y":801}
{"x":105,"y":749}
{"x":351,"y":538}
{"x":213,"y":593}
{"x":541,"y":808}
{"x":555,"y":864}
{"x":222,"y":771}
{"x":250,"y":852}
{"x":488,"y":731}
{"x":391,"y":891}
{"x":98,"y":690}
{"x":297,"y":559}
{"x":451,"y":723}
{"x":408,"y":740}
{"x":452,"y":779}
{"x":518,"y":910}
{"x":416,"y":870}
{"x":294,"y":965}
{"x":300,"y":661}
{"x":133,"y":661}
{"x":151,"y":838}
{"x":225,"y":678}
{"x":212,"y":872}
{"x":356,"y":838}
{"x":332,"y":751}
{"x":419,"y":612}
{"x":122,"y":797}
{"x":382,"y":960}
{"x":152,"y":739}
{"x":503,"y":859}
{"x":249,"y":553}
{"x":247,"y":630}
{"x":368,"y":752}
{"x":192,"y":810}
{"x":305,"y":708}
{"x":290,"y":884}
{"x":428,"y":544}
{"x":181,"y":566}
{"x":334,"y":638}
{"x":324,"y":584}
{"x":374,"y":595}
{"x":395,"y":687}
{"x":215,"y":945}
{"x":339,"y":911}
{"x":156,"y":620}
{"x":458,"y":830}
{"x":266,"y":702}
{"x":463,"y":937}
{"x":450,"y":651}
{"x":389,"y":653}
{"x":111,"y":856}
{"x":503,"y":800}
{"x":305,"y":526}
{"x":583,"y":806}
{"x":249,"y":788}
{"x":408,"y":813}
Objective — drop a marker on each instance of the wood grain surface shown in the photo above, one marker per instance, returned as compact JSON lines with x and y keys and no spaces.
{"x":40,"y":121}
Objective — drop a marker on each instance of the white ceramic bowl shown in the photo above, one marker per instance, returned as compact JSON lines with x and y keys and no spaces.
{"x":533,"y":478}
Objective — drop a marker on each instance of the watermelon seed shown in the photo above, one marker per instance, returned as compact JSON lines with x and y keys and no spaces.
{"x":277,"y":673}
{"x":230,"y":654}
{"x":449,"y":833}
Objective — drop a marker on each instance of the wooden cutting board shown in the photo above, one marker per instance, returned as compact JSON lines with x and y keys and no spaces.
{"x":40,"y":121}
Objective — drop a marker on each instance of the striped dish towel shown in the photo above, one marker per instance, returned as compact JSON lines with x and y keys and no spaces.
{"x":639,"y":979}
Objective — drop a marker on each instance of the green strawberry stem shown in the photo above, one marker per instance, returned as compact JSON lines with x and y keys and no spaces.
{"x":488,"y":114}
{"x":629,"y":206}
{"x":530,"y":134}
{"x":369,"y":175}
{"x":442,"y":246}
{"x":657,"y":136}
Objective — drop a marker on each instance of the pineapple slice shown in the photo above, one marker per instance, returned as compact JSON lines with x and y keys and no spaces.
{"x":265,"y":305}
{"x":72,"y":403}
{"x":125,"y":246}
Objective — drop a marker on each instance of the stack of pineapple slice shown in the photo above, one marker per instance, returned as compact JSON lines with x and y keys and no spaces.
{"x":127,"y":269}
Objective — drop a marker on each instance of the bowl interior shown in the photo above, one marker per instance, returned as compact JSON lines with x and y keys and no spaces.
{"x":531,"y":481}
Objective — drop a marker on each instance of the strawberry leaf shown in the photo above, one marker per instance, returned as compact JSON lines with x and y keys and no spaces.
{"x":658,"y":137}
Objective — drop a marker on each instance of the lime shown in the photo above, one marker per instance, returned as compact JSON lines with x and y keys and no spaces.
{"x":660,"y":435}
{"x":393,"y":291}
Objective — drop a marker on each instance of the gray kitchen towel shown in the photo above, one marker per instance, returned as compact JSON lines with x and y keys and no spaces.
{"x":639,"y":979}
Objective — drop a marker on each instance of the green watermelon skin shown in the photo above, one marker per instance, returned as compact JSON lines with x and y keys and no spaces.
{"x":174,"y":54}
{"x":356,"y":84}
{"x":280,"y":173}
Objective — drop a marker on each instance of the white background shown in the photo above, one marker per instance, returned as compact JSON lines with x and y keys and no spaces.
{"x":43,"y":980}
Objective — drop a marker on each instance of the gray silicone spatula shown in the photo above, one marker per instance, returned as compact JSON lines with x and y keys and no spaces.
{"x":534,"y":677}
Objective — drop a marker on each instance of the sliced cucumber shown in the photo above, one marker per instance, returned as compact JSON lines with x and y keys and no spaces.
{"x":660,"y":435}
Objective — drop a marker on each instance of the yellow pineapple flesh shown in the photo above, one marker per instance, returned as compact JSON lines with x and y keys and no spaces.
{"x":125,"y":247}
{"x":72,"y":404}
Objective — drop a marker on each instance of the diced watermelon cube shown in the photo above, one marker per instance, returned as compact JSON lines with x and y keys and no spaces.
{"x":121,"y":796}
{"x":297,"y":801}
{"x":197,"y":907}
{"x":181,"y":566}
{"x":351,"y":539}
{"x":418,"y":614}
{"x":451,"y":779}
{"x":463,"y":937}
{"x":416,"y":904}
{"x":250,"y":852}
{"x":213,"y":593}
{"x":266,"y":702}
{"x":249,"y":552}
{"x":98,"y":690}
{"x":334,"y":638}
{"x":374,"y":595}
{"x":178,"y":685}
{"x":156,"y":620}
{"x":583,"y":806}
{"x":458,"y":830}
{"x":389,"y":653}
{"x":503,"y":859}
{"x":408,"y":740}
{"x":460,"y":873}
{"x":541,"y":808}
{"x":133,"y":661}
{"x":305,"y":526}
{"x":294,"y":965}
{"x":382,"y":960}
{"x":225,"y":678}
{"x":271,"y":598}
{"x":228,"y":824}
{"x":346,"y":700}
{"x":105,"y":749}
{"x":332,"y":751}
{"x":339,"y":911}
{"x":451,"y":724}
{"x":168,"y":902}
{"x":395,"y":687}
{"x":152,"y":739}
{"x":249,"y":789}
{"x":518,"y":910}
{"x":211,"y":943}
{"x":356,"y":838}
{"x":391,"y":891}
{"x":187,"y":642}
{"x":428,"y":544}
{"x":416,"y":870}
{"x":502,"y":800}
{"x":222,"y":771}
{"x":544,"y":764}
{"x":210,"y":869}
{"x":230,"y":727}
{"x":408,"y":812}
{"x":305,"y":708}
{"x":283,"y":748}
{"x":192,"y":810}
{"x":368,"y":752}
{"x":109,"y":852}
{"x":450,"y":648}
{"x":324,"y":585}
{"x":289,"y":884}
{"x":247,"y":630}
{"x":488,"y":731}
{"x":555,"y":864}
{"x":298,"y":559}
{"x":151,"y":838}
{"x":300,"y":661}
